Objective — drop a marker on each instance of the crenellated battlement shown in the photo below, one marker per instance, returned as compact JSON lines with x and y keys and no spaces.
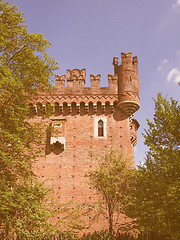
{"x":76,"y":79}
{"x":123,"y":87}
{"x":60,"y":81}
{"x":128,"y":63}
{"x":95,"y":81}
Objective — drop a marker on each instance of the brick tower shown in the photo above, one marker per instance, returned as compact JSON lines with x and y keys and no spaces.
{"x":87,"y":122}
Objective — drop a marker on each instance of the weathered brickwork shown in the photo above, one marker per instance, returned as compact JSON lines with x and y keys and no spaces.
{"x":87,"y":122}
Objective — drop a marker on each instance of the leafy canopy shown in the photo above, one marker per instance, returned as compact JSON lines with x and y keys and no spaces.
{"x":156,"y":199}
{"x":25,"y":69}
{"x":111,"y":181}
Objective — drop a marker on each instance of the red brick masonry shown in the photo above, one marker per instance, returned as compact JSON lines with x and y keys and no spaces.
{"x":72,"y":149}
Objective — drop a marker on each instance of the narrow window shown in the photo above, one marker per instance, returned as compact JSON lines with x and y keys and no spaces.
{"x":100,"y":128}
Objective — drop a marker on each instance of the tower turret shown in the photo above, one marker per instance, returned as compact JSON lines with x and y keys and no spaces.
{"x":128,"y":83}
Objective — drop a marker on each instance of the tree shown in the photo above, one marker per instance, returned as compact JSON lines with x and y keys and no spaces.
{"x":25,"y":69}
{"x":110,"y":180}
{"x":30,"y":212}
{"x":156,"y":199}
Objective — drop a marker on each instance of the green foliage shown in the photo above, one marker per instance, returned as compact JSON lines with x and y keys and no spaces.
{"x":156,"y":199}
{"x":104,"y":234}
{"x":72,"y":215}
{"x":67,"y":236}
{"x":110,"y":180}
{"x":25,"y":69}
{"x":23,"y":56}
{"x":31,"y":218}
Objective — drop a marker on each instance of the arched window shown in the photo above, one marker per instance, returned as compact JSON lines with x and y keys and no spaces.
{"x":100,"y":128}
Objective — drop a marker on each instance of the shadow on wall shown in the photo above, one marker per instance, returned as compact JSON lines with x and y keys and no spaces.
{"x":119,"y":115}
{"x":55,"y":147}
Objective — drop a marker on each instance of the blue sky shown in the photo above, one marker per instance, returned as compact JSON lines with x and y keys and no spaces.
{"x":89,"y":33}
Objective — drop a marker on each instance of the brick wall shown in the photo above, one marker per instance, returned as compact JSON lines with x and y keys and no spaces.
{"x":73,"y":148}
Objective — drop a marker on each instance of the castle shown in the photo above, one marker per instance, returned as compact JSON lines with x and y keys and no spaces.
{"x":87,"y":119}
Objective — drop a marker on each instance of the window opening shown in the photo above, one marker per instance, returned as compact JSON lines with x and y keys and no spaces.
{"x":58,"y":124}
{"x":100,"y":128}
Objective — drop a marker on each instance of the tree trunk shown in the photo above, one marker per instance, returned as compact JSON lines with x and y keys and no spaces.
{"x":110,"y":220}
